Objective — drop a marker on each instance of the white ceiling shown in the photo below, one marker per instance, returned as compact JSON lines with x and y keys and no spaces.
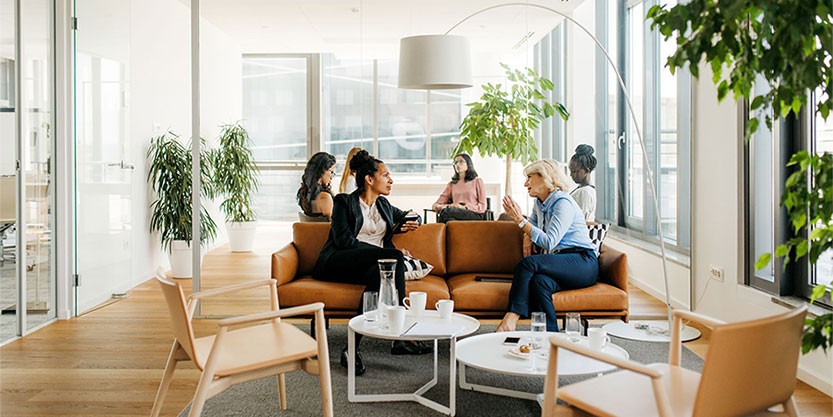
{"x":372,"y":28}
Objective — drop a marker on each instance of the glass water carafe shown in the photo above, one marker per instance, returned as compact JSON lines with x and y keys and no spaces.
{"x":388,"y":296}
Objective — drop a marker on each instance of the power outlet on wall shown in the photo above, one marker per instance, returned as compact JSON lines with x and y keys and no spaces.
{"x":716,"y":272}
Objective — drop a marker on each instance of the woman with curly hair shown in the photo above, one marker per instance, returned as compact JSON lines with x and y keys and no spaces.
{"x":581,"y":165}
{"x":315,"y":196}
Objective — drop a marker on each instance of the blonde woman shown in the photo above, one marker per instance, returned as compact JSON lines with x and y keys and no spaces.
{"x":567,"y":257}
{"x":347,"y":186}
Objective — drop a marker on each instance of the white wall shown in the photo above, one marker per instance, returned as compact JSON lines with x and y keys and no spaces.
{"x":161,"y":100}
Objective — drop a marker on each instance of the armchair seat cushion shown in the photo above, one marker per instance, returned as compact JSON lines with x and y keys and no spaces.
{"x":471,"y":295}
{"x":599,"y":297}
{"x":256,"y":347}
{"x":335,"y":295}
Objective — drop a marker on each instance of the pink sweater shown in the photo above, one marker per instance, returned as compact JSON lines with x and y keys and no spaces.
{"x":470,"y":192}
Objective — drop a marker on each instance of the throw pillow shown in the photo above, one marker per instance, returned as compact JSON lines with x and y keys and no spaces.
{"x":598,"y":231}
{"x":416,"y":269}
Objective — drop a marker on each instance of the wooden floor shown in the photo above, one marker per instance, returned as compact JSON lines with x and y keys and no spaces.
{"x":109,"y":362}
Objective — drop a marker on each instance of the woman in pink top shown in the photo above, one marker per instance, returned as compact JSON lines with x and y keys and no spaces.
{"x":462,"y":200}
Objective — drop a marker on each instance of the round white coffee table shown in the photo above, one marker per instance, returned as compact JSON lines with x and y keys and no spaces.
{"x":488,"y":353}
{"x":430,"y":327}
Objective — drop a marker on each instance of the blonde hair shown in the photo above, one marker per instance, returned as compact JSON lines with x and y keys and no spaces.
{"x":347,"y":174}
{"x":553,"y":174}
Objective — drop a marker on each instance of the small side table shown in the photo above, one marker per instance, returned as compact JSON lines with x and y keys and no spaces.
{"x":468,"y":324}
{"x":488,"y":353}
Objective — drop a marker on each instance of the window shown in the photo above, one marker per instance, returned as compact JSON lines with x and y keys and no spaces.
{"x":661,"y":105}
{"x":413,"y":131}
{"x":766,"y":156}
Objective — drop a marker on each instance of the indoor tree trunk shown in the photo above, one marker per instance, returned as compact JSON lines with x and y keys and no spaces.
{"x":508,"y":189}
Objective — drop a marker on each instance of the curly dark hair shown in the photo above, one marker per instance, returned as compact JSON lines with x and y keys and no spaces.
{"x":470,"y":172}
{"x":584,"y":157}
{"x":363,"y":164}
{"x":310,"y":188}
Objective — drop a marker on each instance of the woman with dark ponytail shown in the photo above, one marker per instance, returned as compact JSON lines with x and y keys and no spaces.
{"x":361,"y":234}
{"x":315,"y":196}
{"x":581,"y":165}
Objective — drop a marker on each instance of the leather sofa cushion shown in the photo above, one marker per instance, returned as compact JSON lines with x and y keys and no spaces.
{"x":340,"y":296}
{"x":426,"y":243}
{"x":483,"y":246}
{"x":309,"y":239}
{"x":472,"y":295}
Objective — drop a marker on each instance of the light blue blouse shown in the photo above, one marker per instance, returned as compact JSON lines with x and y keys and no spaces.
{"x":558,"y":223}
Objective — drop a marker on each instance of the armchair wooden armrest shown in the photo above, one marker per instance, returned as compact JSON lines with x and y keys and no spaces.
{"x":231,"y":288}
{"x":258,"y":317}
{"x":705,"y":320}
{"x":630,"y":365}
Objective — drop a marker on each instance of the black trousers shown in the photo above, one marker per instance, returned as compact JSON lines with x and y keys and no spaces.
{"x":458,"y":213}
{"x":359,"y":266}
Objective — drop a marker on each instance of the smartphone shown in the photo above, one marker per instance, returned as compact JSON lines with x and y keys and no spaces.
{"x":409,"y":216}
{"x":511,"y":341}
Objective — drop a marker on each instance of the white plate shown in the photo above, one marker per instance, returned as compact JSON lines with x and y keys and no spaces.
{"x":515,"y":351}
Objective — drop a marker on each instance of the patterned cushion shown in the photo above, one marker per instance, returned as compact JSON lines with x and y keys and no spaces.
{"x":598,"y":231}
{"x":416,"y":269}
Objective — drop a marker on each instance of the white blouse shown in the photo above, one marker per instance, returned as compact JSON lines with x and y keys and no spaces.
{"x":373,"y":227}
{"x":586,"y":199}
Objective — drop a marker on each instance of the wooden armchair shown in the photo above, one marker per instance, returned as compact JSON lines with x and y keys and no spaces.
{"x":245,"y":348}
{"x":750,"y":367}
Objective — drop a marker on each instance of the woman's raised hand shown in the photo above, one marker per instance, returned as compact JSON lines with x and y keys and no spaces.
{"x":511,"y":208}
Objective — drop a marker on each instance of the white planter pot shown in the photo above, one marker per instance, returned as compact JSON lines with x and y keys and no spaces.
{"x":241,"y":236}
{"x":180,"y":257}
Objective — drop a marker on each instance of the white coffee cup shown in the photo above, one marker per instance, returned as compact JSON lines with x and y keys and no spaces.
{"x":396,"y":319}
{"x":415,"y":302}
{"x":445,"y":307}
{"x":597,"y":338}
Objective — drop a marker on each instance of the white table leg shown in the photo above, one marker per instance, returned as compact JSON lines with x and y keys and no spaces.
{"x":452,"y":375}
{"x":351,"y":364}
{"x":464,"y":384}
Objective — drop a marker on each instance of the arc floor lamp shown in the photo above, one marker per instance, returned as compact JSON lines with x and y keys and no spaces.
{"x":438,"y":62}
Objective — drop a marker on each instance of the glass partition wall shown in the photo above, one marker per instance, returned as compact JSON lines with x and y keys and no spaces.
{"x":27,"y":114}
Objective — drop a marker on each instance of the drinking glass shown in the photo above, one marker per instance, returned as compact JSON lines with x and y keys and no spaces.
{"x":573,"y":327}
{"x":539,"y":329}
{"x":370,"y":307}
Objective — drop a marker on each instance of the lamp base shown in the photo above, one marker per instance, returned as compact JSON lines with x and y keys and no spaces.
{"x":657,"y":331}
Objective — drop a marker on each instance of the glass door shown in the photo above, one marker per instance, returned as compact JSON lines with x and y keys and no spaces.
{"x":104,"y":170}
{"x":27,"y":190}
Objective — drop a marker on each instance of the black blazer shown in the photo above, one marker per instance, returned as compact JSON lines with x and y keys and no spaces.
{"x":347,"y":221}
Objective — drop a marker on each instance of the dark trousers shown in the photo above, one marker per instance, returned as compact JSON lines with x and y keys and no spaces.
{"x":359,"y":266}
{"x":458,"y":213}
{"x":538,"y":277}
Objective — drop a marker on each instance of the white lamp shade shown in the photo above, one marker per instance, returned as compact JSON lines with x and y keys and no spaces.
{"x":434,"y":62}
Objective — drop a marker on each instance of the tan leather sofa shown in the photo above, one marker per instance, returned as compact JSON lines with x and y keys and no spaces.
{"x":459,"y":252}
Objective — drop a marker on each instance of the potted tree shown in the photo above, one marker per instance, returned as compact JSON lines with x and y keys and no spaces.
{"x":235,"y":178}
{"x":170,"y":178}
{"x":788,"y":45}
{"x":501,"y":122}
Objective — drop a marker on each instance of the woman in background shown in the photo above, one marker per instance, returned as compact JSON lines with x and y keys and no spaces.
{"x":462,"y":200}
{"x":567,"y":258}
{"x":315,"y":196}
{"x":581,"y":165}
{"x":348,"y":177}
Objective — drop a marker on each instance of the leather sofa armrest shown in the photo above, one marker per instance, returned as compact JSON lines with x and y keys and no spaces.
{"x":285,"y":264}
{"x":613,"y":268}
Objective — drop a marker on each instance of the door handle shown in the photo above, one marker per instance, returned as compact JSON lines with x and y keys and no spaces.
{"x":620,"y":140}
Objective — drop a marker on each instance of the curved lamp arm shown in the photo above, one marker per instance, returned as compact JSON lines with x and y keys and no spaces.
{"x":636,"y":125}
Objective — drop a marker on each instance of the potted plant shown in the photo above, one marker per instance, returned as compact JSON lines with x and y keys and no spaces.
{"x":788,"y":45}
{"x":235,"y":178}
{"x":170,"y":178}
{"x":502,"y":121}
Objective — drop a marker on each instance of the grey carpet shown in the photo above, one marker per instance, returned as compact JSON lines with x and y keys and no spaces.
{"x":396,"y":374}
